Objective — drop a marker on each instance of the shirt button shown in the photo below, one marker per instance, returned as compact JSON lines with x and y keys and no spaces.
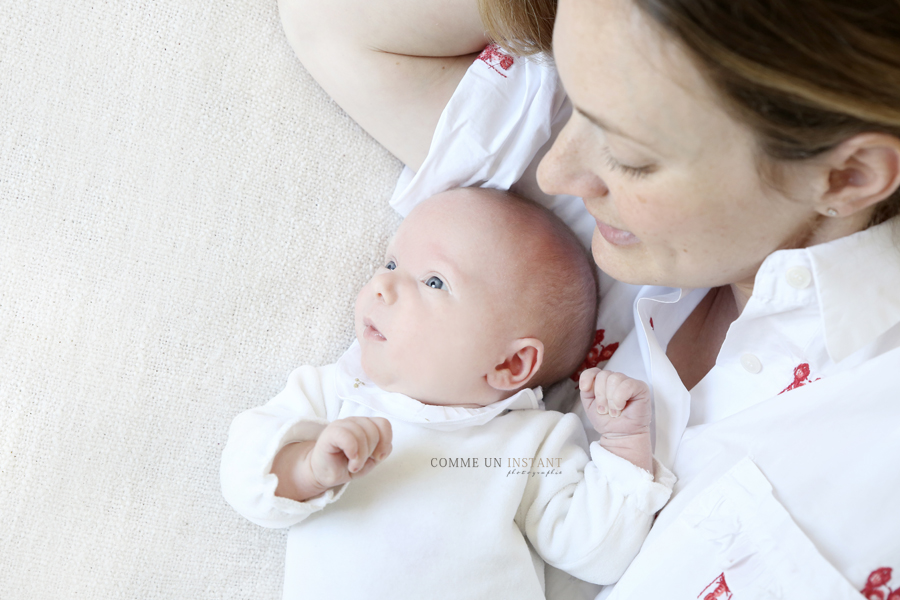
{"x":751,"y":364}
{"x":799,"y":277}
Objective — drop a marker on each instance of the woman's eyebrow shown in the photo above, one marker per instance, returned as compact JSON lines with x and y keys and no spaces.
{"x":609,"y":128}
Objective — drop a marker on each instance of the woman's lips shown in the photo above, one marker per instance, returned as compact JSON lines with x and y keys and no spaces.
{"x":370,"y":332}
{"x":617,"y":237}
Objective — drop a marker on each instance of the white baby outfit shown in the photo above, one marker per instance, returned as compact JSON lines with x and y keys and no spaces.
{"x":787,"y":452}
{"x":443,"y":516}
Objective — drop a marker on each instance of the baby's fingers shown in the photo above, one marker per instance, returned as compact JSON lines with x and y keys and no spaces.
{"x":385,"y":436}
{"x":621,"y":390}
{"x":349,"y":439}
{"x":601,"y":406}
{"x":369,"y":439}
{"x":586,"y":382}
{"x":373,"y":437}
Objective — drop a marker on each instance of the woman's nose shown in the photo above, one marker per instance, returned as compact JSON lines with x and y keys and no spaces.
{"x":567,"y":167}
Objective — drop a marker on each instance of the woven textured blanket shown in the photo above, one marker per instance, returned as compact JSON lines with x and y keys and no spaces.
{"x":184,"y":218}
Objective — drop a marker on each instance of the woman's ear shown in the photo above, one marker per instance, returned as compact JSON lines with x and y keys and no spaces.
{"x":863,"y":171}
{"x":519,"y":366}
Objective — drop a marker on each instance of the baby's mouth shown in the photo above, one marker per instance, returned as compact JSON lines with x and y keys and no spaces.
{"x":370,"y":332}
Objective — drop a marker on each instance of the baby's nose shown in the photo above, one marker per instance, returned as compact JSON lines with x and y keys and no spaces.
{"x":385,"y":288}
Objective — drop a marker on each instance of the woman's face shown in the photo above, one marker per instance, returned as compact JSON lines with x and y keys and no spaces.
{"x":670,"y":177}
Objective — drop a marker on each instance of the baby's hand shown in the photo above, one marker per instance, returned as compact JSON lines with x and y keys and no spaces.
{"x":615,"y":404}
{"x":619,"y":409}
{"x":349,"y":448}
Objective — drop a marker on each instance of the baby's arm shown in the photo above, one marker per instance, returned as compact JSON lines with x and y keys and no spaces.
{"x":392,"y":65}
{"x":619,"y":409}
{"x":591,"y":514}
{"x":346,"y":449}
{"x":301,"y":411}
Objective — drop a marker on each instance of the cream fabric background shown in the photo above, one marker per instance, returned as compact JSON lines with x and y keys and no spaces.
{"x":184,"y":218}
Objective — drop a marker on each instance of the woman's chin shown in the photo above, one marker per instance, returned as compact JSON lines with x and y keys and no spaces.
{"x":628,"y":266}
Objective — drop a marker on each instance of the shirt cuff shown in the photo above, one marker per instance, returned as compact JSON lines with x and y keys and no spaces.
{"x":299,"y":431}
{"x":648,"y":493}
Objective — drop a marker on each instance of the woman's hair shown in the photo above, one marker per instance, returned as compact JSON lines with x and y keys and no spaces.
{"x":522,"y":27}
{"x":805,"y":75}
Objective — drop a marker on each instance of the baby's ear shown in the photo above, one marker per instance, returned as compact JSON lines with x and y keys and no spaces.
{"x":520,"y":365}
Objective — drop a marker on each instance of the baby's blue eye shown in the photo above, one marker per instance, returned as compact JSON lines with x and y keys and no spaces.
{"x":391,"y":265}
{"x":434,"y":282}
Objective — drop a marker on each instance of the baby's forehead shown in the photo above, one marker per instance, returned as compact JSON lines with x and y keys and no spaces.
{"x":497,"y":237}
{"x":485,"y":226}
{"x":479,"y":210}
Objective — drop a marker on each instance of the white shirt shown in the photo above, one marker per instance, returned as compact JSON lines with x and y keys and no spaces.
{"x":448,"y":513}
{"x":787,"y":452}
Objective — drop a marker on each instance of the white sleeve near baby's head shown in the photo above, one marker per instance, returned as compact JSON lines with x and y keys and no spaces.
{"x":498,"y":119}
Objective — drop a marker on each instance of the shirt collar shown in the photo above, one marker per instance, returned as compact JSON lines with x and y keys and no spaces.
{"x":354,"y":385}
{"x":858,"y":284}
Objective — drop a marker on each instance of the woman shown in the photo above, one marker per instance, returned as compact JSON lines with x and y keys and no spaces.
{"x":740,"y":161}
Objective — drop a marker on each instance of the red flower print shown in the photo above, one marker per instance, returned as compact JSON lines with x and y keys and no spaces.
{"x":494,"y":57}
{"x":717,"y":590}
{"x":607,"y":351}
{"x":597,"y":354}
{"x":879,"y":576}
{"x":877,"y":588}
{"x":651,"y":323}
{"x":801,"y":378}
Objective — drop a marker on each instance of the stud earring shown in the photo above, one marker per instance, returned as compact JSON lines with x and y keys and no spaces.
{"x":831,"y":212}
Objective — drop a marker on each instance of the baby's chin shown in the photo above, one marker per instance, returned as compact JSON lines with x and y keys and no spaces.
{"x":377,"y":373}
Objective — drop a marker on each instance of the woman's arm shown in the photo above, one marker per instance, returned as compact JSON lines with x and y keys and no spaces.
{"x":392,"y":65}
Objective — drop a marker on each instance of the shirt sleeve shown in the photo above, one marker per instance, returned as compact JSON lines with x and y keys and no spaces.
{"x":494,"y":127}
{"x":299,"y":413}
{"x":591,"y":519}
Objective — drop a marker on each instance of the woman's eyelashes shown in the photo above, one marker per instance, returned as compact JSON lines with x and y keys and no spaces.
{"x":636,"y":172}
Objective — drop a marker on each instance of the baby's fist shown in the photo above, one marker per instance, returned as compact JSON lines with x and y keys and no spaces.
{"x":349,"y":448}
{"x":615,"y":404}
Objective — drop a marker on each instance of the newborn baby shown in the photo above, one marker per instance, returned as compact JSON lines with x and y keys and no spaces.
{"x":422,"y":464}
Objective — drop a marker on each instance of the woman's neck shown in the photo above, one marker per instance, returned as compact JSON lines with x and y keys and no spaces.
{"x":695,"y":346}
{"x":741,"y":293}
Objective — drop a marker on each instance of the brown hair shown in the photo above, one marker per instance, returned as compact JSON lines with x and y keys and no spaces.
{"x":805,"y":75}
{"x":522,"y":27}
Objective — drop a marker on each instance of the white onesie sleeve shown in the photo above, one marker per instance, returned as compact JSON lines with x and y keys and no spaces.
{"x":591,"y":519}
{"x":299,"y":413}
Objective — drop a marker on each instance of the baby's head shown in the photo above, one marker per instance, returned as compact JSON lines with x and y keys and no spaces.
{"x":481,"y":294}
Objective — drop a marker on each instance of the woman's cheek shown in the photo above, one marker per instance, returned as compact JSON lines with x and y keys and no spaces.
{"x":658,"y":210}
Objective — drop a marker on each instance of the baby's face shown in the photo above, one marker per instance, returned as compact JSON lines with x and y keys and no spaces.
{"x":435,"y":318}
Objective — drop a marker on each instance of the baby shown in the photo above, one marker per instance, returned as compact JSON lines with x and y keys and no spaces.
{"x":422,"y":465}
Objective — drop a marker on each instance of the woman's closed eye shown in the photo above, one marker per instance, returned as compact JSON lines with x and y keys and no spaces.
{"x":435,"y":283}
{"x":612,"y":163}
